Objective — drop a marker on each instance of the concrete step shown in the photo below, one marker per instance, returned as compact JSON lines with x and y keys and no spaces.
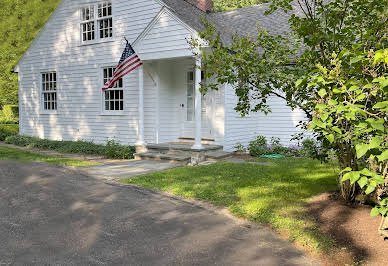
{"x":217,"y":155}
{"x":168,"y":148}
{"x":173,"y":158}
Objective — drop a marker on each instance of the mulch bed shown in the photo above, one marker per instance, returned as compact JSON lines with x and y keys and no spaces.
{"x":355,"y":232}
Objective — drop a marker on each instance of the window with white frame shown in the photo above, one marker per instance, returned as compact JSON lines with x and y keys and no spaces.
{"x":49,"y":91}
{"x":191,"y":96}
{"x":96,"y":21}
{"x":113,"y":97}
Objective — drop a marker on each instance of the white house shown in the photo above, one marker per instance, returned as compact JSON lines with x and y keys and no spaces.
{"x":63,"y":71}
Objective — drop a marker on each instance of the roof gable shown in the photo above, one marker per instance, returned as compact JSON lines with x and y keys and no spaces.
{"x":165,"y":33}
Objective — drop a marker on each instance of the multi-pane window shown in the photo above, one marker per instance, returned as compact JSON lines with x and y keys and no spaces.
{"x":114,"y":97}
{"x":105,"y":19}
{"x":96,"y":21}
{"x":49,"y":91}
{"x":87,"y":23}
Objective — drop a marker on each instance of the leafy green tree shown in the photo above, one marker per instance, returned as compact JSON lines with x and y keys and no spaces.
{"x":221,"y":5}
{"x":20,"y":22}
{"x":351,"y":111}
{"x":266,"y":65}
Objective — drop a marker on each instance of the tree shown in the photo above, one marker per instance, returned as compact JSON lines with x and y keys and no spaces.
{"x":20,"y":22}
{"x":221,"y":5}
{"x":266,"y":65}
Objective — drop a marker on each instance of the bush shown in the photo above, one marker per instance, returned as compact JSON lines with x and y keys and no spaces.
{"x":11,"y":112}
{"x":310,"y":148}
{"x":258,"y":146}
{"x":112,"y":150}
{"x":8,"y":130}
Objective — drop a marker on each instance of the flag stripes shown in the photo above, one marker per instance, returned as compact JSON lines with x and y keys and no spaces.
{"x":129,"y":61}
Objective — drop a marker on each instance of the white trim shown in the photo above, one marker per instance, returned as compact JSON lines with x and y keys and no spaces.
{"x":97,"y":39}
{"x":140,"y":141}
{"x":104,"y":112}
{"x":42,"y":111}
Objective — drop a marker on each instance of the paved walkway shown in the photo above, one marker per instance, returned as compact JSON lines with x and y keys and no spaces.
{"x":117,"y":170}
{"x":57,"y":216}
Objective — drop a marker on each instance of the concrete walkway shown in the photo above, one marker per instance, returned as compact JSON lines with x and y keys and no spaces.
{"x":131,"y":168}
{"x":56,"y":216}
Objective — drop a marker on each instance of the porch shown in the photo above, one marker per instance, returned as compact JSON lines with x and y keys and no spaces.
{"x":173,"y":113}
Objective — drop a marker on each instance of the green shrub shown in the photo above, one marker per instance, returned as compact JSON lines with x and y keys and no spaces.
{"x":117,"y":151}
{"x":8,"y":130}
{"x":112,"y":150}
{"x":11,"y":112}
{"x":258,"y":146}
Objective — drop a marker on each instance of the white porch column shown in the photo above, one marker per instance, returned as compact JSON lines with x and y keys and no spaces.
{"x":140,"y":140}
{"x":198,"y":105}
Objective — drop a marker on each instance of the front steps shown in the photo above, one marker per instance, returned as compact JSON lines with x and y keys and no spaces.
{"x":181,"y":153}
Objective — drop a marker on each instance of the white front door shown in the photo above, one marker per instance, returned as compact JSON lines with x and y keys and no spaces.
{"x":188,"y":109}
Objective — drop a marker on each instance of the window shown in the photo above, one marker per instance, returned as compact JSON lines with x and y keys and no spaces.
{"x":191,"y":96}
{"x":96,"y":22}
{"x":49,"y":91}
{"x":114,"y":97}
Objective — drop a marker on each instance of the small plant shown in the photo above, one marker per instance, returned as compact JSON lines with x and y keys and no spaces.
{"x":258,"y":146}
{"x":240,"y":148}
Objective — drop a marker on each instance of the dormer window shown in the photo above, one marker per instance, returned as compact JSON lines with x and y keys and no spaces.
{"x":96,"y":22}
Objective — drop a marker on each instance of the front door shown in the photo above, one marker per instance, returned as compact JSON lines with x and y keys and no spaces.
{"x":188,"y":109}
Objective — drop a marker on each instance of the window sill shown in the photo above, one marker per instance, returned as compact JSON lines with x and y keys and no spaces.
{"x":113,"y":113}
{"x":48,"y":112}
{"x":107,"y":40}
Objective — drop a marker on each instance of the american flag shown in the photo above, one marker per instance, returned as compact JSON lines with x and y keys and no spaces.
{"x":129,"y":61}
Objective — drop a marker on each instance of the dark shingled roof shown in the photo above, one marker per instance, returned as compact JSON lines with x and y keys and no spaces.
{"x":242,"y":21}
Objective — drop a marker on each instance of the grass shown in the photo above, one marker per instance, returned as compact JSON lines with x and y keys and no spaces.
{"x":25,"y":156}
{"x":275,"y":194}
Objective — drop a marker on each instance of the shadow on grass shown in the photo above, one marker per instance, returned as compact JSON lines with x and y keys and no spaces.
{"x":271,"y":194}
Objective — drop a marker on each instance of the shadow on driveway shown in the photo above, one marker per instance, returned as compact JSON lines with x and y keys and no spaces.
{"x":54,"y":215}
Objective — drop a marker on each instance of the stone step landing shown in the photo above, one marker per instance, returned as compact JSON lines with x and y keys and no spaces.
{"x":181,"y":153}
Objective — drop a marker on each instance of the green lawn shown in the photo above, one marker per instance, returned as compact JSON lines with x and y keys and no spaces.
{"x":273,"y":194}
{"x":20,"y":155}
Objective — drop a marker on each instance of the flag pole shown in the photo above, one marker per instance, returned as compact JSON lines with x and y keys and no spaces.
{"x":145,"y":68}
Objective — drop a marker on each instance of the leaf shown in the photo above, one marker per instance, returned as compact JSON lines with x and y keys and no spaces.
{"x":370,"y":189}
{"x":336,"y":129}
{"x":347,"y":169}
{"x":375,"y":211}
{"x":355,"y":59}
{"x":322,"y":93}
{"x":361,"y":149}
{"x":330,"y":138}
{"x":383,"y":156}
{"x":363,"y":181}
{"x":354,"y":176}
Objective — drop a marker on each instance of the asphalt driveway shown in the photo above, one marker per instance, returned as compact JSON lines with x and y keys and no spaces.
{"x":53,"y":215}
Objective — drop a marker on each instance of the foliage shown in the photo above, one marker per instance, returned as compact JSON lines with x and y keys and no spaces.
{"x":19,"y":155}
{"x":115,"y":150}
{"x":20,"y":22}
{"x":351,"y":110}
{"x":260,"y":66}
{"x":274,"y":193}
{"x":112,"y":150}
{"x":221,"y":5}
{"x":240,"y":148}
{"x":8,"y":130}
{"x":10,"y":112}
{"x":309,"y":148}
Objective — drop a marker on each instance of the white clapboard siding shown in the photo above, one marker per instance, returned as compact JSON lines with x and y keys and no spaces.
{"x":79,"y":77}
{"x":280,"y":123}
